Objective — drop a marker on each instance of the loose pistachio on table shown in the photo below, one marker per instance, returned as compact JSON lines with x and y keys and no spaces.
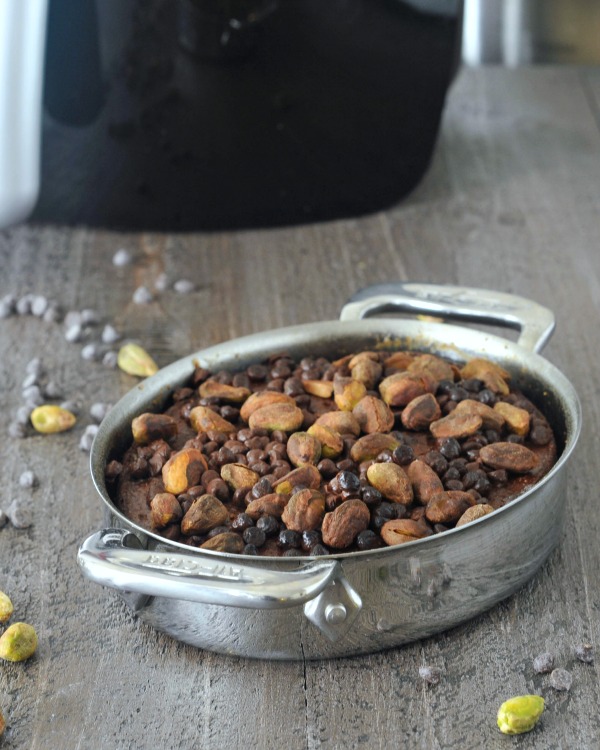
{"x":520,"y":714}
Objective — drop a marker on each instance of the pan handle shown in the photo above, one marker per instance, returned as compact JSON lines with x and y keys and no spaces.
{"x":535,"y":322}
{"x":115,"y":558}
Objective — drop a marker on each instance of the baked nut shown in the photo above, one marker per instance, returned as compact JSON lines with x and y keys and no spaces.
{"x":205,"y":513}
{"x":392,"y":481}
{"x":341,"y":526}
{"x":304,"y":511}
{"x":148,"y":427}
{"x":183,"y":470}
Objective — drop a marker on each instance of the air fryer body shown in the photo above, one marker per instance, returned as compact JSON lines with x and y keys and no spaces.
{"x":224,"y":114}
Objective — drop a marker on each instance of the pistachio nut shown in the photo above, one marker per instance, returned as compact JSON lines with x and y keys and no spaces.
{"x":308,"y":475}
{"x":148,"y":427}
{"x":331,"y":442}
{"x":400,"y":389}
{"x":225,"y":542}
{"x":342,"y":422}
{"x":303,"y":448}
{"x":204,"y":514}
{"x":373,"y":415}
{"x":392,"y":481}
{"x":397,"y":362}
{"x":164,"y":509}
{"x":366,"y":369}
{"x":473,"y":513}
{"x":492,"y":375}
{"x":238,"y":476}
{"x":272,"y":504}
{"x":447,"y":506}
{"x":18,"y":642}
{"x":214,"y":389}
{"x":341,"y":526}
{"x":425,"y":482}
{"x":204,"y":419}
{"x":517,"y":419}
{"x":6,"y":607}
{"x":263,"y":398}
{"x":183,"y":470}
{"x":134,"y":360}
{"x":419,"y":413}
{"x":492,"y":419}
{"x":456,"y":425}
{"x":402,"y":530}
{"x":320,"y":388}
{"x":49,"y":418}
{"x":304,"y":511}
{"x":347,"y":392}
{"x":370,"y":446}
{"x":432,"y":365}
{"x":520,"y":714}
{"x":509,"y":456}
{"x":284,"y":417}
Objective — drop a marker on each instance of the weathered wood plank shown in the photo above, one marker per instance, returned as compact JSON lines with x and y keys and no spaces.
{"x":510,"y":202}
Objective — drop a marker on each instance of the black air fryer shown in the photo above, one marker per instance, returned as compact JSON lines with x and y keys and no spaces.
{"x":226,"y":114}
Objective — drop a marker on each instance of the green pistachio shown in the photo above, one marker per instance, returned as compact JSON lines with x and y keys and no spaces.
{"x":134,"y":360}
{"x":18,"y":642}
{"x":50,"y":418}
{"x":520,"y":714}
{"x":6,"y":607}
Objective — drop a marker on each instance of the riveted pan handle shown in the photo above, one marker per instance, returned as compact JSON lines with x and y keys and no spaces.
{"x":113,"y":557}
{"x":535,"y":322}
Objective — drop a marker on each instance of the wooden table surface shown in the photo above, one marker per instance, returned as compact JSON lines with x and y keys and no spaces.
{"x":511,"y":202}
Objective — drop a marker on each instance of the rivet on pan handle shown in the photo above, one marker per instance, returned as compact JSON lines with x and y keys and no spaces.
{"x":535,"y":322}
{"x":112,"y":558}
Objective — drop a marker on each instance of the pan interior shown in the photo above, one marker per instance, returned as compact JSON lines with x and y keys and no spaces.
{"x":539,"y":380}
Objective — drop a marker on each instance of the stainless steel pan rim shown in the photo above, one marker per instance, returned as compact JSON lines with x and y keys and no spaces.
{"x":327,"y":574}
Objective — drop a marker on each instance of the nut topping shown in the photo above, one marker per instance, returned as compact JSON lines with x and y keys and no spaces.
{"x":509,"y":456}
{"x":341,"y":526}
{"x":391,"y":480}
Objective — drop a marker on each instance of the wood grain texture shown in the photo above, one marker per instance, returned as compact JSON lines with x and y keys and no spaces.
{"x":510,"y":202}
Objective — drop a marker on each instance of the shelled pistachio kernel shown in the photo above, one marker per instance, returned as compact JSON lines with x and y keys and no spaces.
{"x":520,"y":714}
{"x":49,"y":418}
{"x":134,"y":360}
{"x":6,"y":607}
{"x":18,"y":642}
